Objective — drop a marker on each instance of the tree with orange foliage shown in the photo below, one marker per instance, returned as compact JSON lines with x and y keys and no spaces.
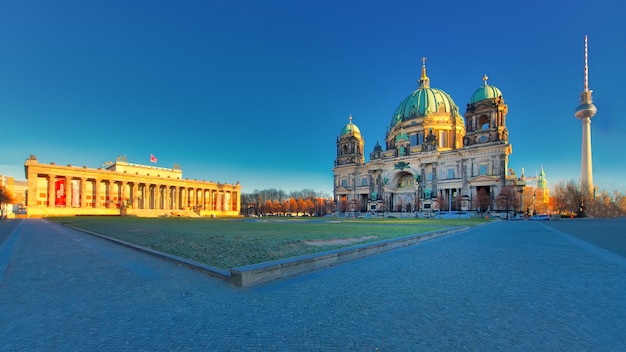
{"x":293,"y":206}
{"x":276,"y":208}
{"x":301,"y":206}
{"x":309,"y":206}
{"x":5,"y":198}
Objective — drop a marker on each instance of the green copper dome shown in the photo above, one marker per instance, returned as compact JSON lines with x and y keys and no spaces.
{"x":424,"y":101}
{"x":349,"y":130}
{"x":485,"y":92}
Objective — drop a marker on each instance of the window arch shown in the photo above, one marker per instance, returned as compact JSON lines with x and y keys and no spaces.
{"x":484,"y":122}
{"x":406,"y":181}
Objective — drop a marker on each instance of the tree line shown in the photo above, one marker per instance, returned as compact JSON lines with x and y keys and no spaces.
{"x":567,"y":198}
{"x":306,"y":202}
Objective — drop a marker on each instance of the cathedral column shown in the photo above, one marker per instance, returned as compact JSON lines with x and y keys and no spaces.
{"x":434,"y":181}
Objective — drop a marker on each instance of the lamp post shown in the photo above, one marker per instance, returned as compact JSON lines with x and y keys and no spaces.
{"x":417,"y":195}
{"x":520,"y":190}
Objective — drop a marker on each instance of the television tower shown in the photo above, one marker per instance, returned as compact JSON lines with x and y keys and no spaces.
{"x":584,"y":112}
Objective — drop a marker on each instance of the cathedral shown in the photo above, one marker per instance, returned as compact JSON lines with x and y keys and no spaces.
{"x":433,"y":158}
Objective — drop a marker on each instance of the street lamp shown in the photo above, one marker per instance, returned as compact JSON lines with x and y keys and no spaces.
{"x":520,"y":190}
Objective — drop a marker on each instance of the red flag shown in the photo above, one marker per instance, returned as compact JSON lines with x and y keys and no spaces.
{"x":153,"y":159}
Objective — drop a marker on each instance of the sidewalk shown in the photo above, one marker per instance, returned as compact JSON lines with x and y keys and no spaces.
{"x":514,"y":286}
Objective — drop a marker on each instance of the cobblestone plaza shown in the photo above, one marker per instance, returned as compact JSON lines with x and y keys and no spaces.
{"x":515,"y":286}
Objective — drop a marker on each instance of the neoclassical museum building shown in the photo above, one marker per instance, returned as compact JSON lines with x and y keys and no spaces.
{"x":433,"y":158}
{"x":123,"y":188}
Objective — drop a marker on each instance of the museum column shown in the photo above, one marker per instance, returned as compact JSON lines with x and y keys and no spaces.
{"x":133,"y":195}
{"x":166,"y":197}
{"x":96,"y":186}
{"x":109,"y":194}
{"x":68,"y":191}
{"x":157,"y":197}
{"x":123,"y":200}
{"x":174,"y":196}
{"x":83,"y":188}
{"x":51,"y":190}
{"x":183,"y":198}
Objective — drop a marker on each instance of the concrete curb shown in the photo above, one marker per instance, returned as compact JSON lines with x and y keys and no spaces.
{"x":250,"y":275}
{"x":263,"y":272}
{"x":210,"y":270}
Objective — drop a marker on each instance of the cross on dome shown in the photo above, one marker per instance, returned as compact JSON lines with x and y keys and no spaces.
{"x":424,"y":81}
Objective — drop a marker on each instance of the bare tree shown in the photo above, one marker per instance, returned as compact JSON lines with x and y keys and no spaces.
{"x":508,"y":199}
{"x":558,"y":200}
{"x":574,"y":198}
{"x":605,"y":205}
{"x":443,"y":202}
{"x":482,"y":201}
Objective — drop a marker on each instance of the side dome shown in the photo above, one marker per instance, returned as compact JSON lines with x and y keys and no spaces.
{"x":485,"y":92}
{"x":424,"y":101}
{"x":350,"y":130}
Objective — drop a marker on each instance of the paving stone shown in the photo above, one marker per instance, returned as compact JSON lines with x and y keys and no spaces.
{"x":514,"y":286}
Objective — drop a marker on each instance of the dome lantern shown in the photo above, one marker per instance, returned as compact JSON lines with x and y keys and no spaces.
{"x":485,"y":92}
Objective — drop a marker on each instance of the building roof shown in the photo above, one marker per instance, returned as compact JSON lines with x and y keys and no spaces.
{"x":485,"y":92}
{"x":423,"y":102}
{"x":350,"y":130}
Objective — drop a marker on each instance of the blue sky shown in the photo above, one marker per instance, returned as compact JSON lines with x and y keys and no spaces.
{"x":258,"y":91}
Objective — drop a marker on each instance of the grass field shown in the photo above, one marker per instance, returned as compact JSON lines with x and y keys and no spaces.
{"x":229,"y":243}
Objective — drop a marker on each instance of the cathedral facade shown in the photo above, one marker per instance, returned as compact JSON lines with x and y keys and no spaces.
{"x":433,"y":157}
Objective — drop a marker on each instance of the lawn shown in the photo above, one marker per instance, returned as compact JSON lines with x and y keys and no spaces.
{"x":229,"y":243}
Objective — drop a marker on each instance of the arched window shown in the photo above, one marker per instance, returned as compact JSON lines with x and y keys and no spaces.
{"x":407,"y":181}
{"x":483,"y":122}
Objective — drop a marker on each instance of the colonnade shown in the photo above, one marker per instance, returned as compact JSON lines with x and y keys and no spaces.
{"x":73,"y":190}
{"x":68,"y":191}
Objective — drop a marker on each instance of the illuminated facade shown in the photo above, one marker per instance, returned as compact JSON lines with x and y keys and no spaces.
{"x":433,"y":158}
{"x":124,"y":188}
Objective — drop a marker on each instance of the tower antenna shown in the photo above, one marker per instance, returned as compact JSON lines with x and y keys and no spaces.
{"x":586,"y":67}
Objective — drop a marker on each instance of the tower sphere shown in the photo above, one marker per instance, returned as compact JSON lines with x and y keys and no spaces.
{"x":585,"y":110}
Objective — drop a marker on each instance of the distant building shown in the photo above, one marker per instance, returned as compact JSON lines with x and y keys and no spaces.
{"x":537,"y":197}
{"x":124,"y":188}
{"x":433,"y":157}
{"x":17,"y":190}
